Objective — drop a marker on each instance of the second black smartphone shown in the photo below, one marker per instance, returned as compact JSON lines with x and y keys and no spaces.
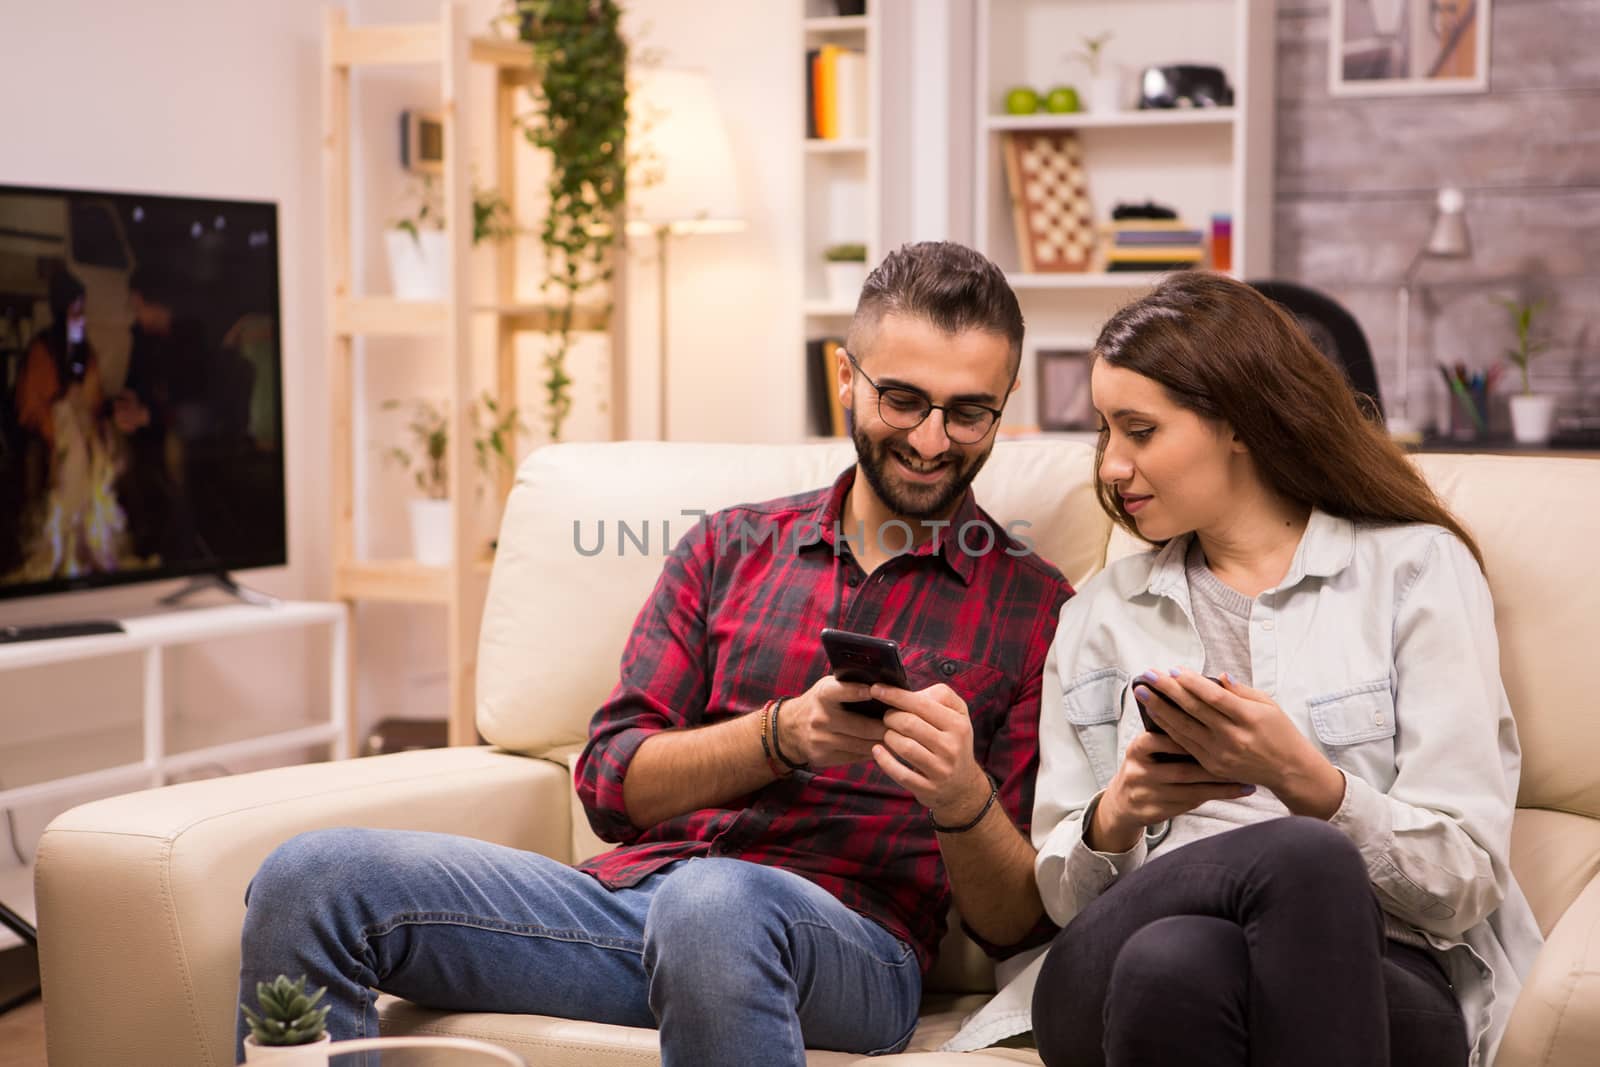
{"x":865,"y":659}
{"x":1155,"y":727}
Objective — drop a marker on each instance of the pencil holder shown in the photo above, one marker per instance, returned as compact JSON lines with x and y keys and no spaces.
{"x":1469,"y":412}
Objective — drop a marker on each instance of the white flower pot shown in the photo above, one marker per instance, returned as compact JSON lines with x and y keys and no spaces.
{"x":844,"y":282}
{"x":418,"y":265}
{"x":1105,"y":92}
{"x":1532,"y":418}
{"x":311,"y":1054}
{"x":431,"y":533}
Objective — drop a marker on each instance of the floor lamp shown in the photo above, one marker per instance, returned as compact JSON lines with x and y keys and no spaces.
{"x":682,"y":178}
{"x":1448,"y":239}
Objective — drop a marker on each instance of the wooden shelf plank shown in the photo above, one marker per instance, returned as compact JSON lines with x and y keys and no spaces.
{"x":1081,"y":120}
{"x":400,"y":581}
{"x":503,"y":52}
{"x":394,"y":44}
{"x":366,"y":46}
{"x":386,"y":315}
{"x":541,"y":318}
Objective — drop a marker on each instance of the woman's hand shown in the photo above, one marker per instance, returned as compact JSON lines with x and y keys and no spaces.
{"x":1241,"y":734}
{"x":1145,"y":791}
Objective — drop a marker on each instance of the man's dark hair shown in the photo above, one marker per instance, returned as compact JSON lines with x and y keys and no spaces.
{"x":941,"y":282}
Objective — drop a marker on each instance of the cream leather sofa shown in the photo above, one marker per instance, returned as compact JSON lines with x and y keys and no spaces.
{"x":141,"y":897}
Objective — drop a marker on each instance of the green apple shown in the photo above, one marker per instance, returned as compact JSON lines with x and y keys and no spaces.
{"x":1022,"y":101}
{"x":1062,"y":99}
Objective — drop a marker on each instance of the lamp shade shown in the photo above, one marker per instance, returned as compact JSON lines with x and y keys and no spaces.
{"x":681,"y":174}
{"x":1449,"y":238}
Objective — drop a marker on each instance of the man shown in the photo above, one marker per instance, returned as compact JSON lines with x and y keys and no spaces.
{"x":785,"y":865}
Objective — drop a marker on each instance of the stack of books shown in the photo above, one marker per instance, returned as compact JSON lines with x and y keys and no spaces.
{"x":836,"y":94}
{"x":1153,"y":244}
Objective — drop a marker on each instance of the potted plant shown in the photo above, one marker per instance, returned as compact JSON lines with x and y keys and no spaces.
{"x":580,"y":117}
{"x":844,"y":272}
{"x":289,"y":1021}
{"x":418,"y":255}
{"x":1532,"y":415}
{"x":1105,"y":79}
{"x":432,"y":543}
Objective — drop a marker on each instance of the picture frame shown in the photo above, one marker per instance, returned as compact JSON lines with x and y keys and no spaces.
{"x":1061,"y":371}
{"x":1407,"y":47}
{"x":422,"y":142}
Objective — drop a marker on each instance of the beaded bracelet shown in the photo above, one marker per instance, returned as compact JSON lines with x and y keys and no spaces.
{"x":994,"y":791}
{"x":778,"y":769}
{"x":776,"y":746}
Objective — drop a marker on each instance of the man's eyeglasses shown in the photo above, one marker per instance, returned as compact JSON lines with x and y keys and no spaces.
{"x":905,"y":409}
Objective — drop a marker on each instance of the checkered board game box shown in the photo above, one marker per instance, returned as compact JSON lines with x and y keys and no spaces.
{"x":1049,"y":200}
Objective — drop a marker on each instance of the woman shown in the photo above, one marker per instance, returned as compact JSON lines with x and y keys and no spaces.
{"x":1312,"y":865}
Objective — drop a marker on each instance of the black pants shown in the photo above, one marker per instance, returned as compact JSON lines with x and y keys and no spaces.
{"x":1263,"y":945}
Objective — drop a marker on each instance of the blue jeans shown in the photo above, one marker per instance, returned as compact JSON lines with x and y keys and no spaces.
{"x":733,"y":961}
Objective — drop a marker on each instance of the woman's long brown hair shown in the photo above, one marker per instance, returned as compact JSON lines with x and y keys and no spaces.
{"x":1225,"y":352}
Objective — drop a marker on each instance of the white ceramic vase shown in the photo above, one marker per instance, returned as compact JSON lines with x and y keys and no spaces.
{"x":311,"y":1054}
{"x":1105,"y":92}
{"x":431,"y":535}
{"x":1532,"y":418}
{"x":844,"y":282}
{"x":417,"y":265}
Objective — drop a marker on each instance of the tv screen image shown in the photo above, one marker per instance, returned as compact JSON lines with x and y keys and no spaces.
{"x":141,"y":423}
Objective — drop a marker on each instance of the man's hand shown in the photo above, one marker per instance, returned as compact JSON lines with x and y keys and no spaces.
{"x":928,"y":750}
{"x":1145,"y":791}
{"x":1240,"y":734}
{"x":814,"y":729}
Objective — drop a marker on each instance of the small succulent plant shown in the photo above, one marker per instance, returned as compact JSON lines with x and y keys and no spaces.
{"x":289,"y":1015}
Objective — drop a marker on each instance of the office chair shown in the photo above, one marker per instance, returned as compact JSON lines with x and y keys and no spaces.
{"x":1333,"y":330}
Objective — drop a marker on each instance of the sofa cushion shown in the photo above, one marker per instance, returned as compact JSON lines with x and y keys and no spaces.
{"x":1540,"y":562}
{"x":556,"y":618}
{"x":549,"y":1042}
{"x":1554,"y":855}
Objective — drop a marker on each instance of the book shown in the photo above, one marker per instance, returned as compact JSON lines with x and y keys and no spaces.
{"x":1137,"y":238}
{"x":811,"y":92}
{"x":828,"y":92}
{"x":850,"y":95}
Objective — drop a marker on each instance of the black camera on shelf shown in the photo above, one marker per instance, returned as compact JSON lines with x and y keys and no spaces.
{"x":1184,"y":85}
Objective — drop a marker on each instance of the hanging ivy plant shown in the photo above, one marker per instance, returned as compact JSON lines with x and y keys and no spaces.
{"x":581,"y":118}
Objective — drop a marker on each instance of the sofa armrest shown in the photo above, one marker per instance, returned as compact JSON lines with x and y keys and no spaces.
{"x":141,"y":897}
{"x":1556,"y":1021}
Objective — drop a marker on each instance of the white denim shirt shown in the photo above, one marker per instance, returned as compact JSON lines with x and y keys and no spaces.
{"x":1380,"y":644}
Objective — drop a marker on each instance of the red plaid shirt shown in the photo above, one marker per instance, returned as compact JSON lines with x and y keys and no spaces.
{"x":734,"y":622}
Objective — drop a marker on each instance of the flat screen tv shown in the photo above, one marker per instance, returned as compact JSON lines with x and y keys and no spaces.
{"x":141,"y":421}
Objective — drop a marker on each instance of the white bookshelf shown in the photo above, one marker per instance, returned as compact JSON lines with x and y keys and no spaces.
{"x":1200,"y":161}
{"x":841,"y":176}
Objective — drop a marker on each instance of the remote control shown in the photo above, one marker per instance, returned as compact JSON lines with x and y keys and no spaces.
{"x":50,"y":630}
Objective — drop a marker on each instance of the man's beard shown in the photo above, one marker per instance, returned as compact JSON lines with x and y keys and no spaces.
{"x":914,"y":500}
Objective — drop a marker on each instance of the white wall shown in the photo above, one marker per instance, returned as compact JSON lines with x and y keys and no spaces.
{"x":221,"y":98}
{"x":736,"y":369}
{"x":216,"y":98}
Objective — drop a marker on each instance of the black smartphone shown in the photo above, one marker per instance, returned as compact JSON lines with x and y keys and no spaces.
{"x":1155,"y":727}
{"x":865,"y":659}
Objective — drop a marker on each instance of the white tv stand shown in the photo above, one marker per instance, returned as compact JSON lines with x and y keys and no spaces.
{"x":152,"y":634}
